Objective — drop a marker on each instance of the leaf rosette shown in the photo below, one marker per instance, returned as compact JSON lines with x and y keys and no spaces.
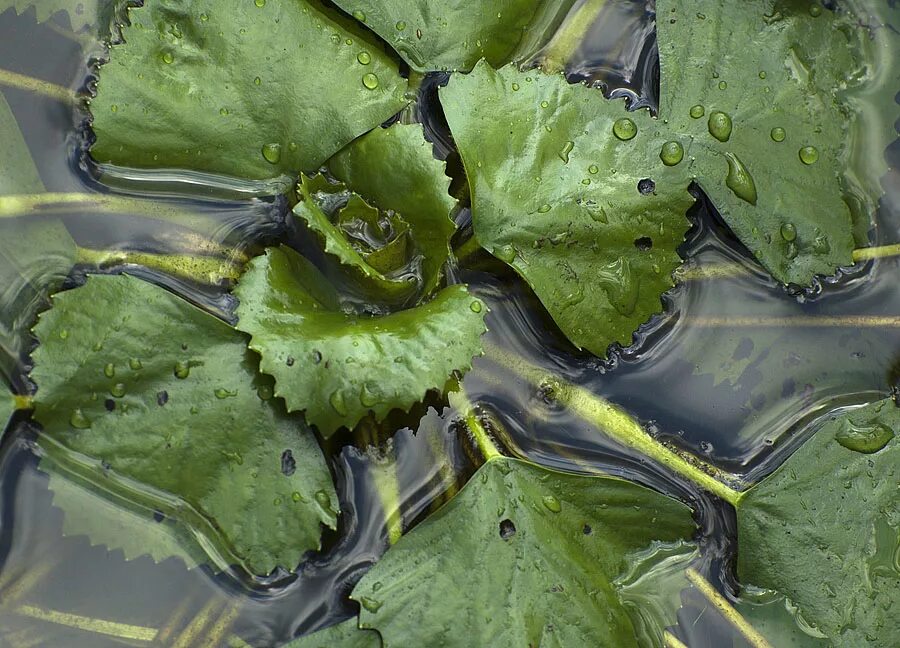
{"x":384,"y":221}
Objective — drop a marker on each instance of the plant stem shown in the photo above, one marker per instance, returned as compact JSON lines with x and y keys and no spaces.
{"x":16,"y":80}
{"x":566,"y":41}
{"x":798,"y":321}
{"x":23,"y":402}
{"x":387,"y":485}
{"x":467,"y":249}
{"x":672,"y":641}
{"x":88,"y":624}
{"x":460,"y":400}
{"x":879,"y":252}
{"x":751,"y":634}
{"x":203,"y":269}
{"x":620,"y":426}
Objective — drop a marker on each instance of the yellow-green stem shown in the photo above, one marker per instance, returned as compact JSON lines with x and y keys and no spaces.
{"x":88,"y":624}
{"x":751,"y":634}
{"x":16,"y":80}
{"x":23,"y":402}
{"x":203,"y":269}
{"x":460,"y":400}
{"x":620,"y":426}
{"x":879,"y":252}
{"x":672,"y":641}
{"x":571,"y":34}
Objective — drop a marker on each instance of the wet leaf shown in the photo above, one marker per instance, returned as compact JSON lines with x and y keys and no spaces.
{"x":36,"y":254}
{"x":823,"y":528}
{"x":338,"y":367}
{"x":777,"y":621}
{"x":451,"y":35}
{"x":556,"y":170}
{"x":342,"y":635}
{"x":540,"y":551}
{"x":162,"y":405}
{"x":395,"y":169}
{"x":251,"y":90}
{"x":598,"y":255}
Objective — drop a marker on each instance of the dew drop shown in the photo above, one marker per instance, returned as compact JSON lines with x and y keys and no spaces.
{"x":117,"y":390}
{"x":370,"y":81}
{"x":272,"y":153}
{"x":593,"y":169}
{"x":257,"y":81}
{"x":400,"y":25}
{"x":815,"y":10}
{"x":78,"y":420}
{"x":168,"y":58}
{"x":762,"y":74}
{"x":369,"y":395}
{"x":64,"y":334}
{"x":545,"y":104}
{"x":221,"y":393}
{"x":697,"y":111}
{"x":809,"y":155}
{"x":260,"y":3}
{"x":370,"y":604}
{"x":364,"y":58}
{"x":359,"y":15}
{"x":865,"y":438}
{"x":552,"y":504}
{"x":671,"y":153}
{"x":788,"y":232}
{"x":109,"y":370}
{"x":296,"y":496}
{"x":337,"y":402}
{"x":720,"y":125}
{"x":624,"y":129}
{"x":264,"y":392}
{"x":182,"y":370}
{"x":543,"y":209}
{"x":566,"y":150}
{"x":739,"y":179}
{"x":114,"y":108}
{"x":723,"y":85}
{"x":506,"y":253}
{"x":475,"y":306}
{"x":515,"y":87}
{"x":778,"y":134}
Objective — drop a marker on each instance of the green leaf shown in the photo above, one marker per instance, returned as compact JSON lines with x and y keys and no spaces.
{"x":777,"y":621}
{"x":395,"y":169}
{"x":162,"y":404}
{"x":539,"y":550}
{"x":341,"y":635}
{"x":451,"y":35}
{"x":783,"y":67}
{"x":35,"y":254}
{"x":339,"y":367}
{"x":233,"y":88}
{"x":555,"y":195}
{"x":823,"y":528}
{"x":81,"y":13}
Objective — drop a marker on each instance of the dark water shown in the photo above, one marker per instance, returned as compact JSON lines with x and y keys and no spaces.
{"x":738,"y":370}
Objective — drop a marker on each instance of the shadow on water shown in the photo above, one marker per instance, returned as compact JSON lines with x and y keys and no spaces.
{"x":733,"y":370}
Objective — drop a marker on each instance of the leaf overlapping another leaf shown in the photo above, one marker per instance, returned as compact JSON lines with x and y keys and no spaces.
{"x":240,"y":88}
{"x":338,"y":367}
{"x":823,"y":528}
{"x":540,"y":550}
{"x":160,"y":393}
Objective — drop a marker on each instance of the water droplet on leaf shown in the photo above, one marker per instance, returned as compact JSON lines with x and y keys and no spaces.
{"x":552,"y":504}
{"x":337,"y":402}
{"x":809,"y":155}
{"x":272,"y":153}
{"x":182,"y":370}
{"x":671,"y":153}
{"x":778,"y":134}
{"x":866,"y":438}
{"x":364,"y":58}
{"x":788,"y":232}
{"x":720,"y":125}
{"x":624,"y":129}
{"x":78,"y":420}
{"x":370,"y":81}
{"x":739,"y":179}
{"x":697,"y":111}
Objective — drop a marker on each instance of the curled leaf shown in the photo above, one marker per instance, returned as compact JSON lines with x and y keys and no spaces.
{"x":339,"y":367}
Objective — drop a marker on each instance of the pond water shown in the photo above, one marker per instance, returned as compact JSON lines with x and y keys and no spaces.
{"x":738,"y":370}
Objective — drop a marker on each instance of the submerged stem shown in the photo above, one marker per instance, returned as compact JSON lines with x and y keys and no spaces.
{"x":565,"y":42}
{"x":202,"y":269}
{"x":460,"y":400}
{"x":620,"y":426}
{"x":671,"y":641}
{"x":88,"y":624}
{"x":879,"y":252}
{"x":751,"y":634}
{"x":23,"y":82}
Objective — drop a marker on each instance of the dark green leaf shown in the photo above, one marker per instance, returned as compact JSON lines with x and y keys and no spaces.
{"x":449,"y":35}
{"x":395,"y":169}
{"x":35,"y":254}
{"x":555,"y":195}
{"x":338,"y":367}
{"x":235,"y":88}
{"x":778,"y":622}
{"x":823,"y":528}
{"x":138,"y":381}
{"x":342,"y":635}
{"x":539,"y":551}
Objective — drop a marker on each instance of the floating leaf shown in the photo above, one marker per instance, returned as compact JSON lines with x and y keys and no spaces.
{"x":81,"y":13}
{"x":35,"y":254}
{"x":149,"y":390}
{"x":338,"y":367}
{"x":395,"y":169}
{"x":540,"y":551}
{"x":823,"y":528}
{"x":341,"y":635}
{"x":451,"y":35}
{"x":252,"y":90}
{"x":591,"y":222}
{"x":777,"y":621}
